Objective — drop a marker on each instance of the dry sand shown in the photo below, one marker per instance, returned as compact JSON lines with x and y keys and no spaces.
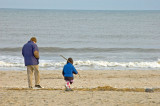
{"x":96,"y":88}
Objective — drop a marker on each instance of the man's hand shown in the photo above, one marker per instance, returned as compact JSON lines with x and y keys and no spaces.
{"x":36,"y":54}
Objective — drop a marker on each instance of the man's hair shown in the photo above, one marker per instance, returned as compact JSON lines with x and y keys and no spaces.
{"x":34,"y":39}
{"x":70,"y":60}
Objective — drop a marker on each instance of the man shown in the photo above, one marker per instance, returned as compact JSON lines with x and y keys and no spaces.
{"x":30,"y":53}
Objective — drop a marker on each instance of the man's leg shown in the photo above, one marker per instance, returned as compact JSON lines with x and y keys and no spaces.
{"x":36,"y":74}
{"x":29,"y":74}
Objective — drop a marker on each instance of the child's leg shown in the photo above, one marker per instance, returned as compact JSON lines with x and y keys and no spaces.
{"x":68,"y":84}
{"x":71,"y":81}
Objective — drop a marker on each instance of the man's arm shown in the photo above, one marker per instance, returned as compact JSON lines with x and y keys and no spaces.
{"x":22,"y":52}
{"x":36,"y":54}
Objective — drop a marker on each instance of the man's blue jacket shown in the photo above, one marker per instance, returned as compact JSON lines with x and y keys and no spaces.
{"x":28,"y":53}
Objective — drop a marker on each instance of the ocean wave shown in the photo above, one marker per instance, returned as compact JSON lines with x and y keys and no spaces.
{"x":88,"y":49}
{"x":119,"y":64}
{"x":88,"y":64}
{"x":9,"y":64}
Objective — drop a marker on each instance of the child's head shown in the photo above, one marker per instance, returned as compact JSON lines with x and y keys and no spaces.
{"x":70,"y":60}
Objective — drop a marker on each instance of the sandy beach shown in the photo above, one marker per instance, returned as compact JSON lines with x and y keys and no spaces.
{"x":96,"y":88}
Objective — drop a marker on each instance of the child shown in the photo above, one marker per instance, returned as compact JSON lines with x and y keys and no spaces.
{"x":68,"y":71}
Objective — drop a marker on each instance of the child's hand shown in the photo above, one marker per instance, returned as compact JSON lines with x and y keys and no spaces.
{"x":79,"y":75}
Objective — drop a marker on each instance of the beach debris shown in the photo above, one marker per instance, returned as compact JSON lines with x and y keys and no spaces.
{"x":149,"y":90}
{"x":103,"y":88}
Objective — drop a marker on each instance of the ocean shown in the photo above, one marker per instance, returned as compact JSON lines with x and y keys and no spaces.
{"x":96,"y":40}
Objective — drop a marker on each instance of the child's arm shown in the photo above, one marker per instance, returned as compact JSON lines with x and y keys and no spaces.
{"x":63,"y":72}
{"x":79,"y":74}
{"x":75,"y":71}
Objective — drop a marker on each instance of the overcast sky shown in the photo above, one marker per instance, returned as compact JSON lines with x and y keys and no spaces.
{"x":83,"y":4}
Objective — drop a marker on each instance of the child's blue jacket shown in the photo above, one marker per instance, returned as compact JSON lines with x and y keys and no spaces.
{"x":68,"y":70}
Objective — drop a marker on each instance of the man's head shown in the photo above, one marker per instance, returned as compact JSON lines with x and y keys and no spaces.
{"x":34,"y":39}
{"x":70,"y":60}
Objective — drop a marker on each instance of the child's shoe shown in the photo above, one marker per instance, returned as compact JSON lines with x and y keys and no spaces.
{"x":70,"y":89}
{"x":67,"y":88}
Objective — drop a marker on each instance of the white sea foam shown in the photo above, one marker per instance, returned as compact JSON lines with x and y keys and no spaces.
{"x":94,"y":65}
{"x":7,"y":64}
{"x":119,"y":64}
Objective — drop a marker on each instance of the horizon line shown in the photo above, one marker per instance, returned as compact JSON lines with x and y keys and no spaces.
{"x":85,"y":9}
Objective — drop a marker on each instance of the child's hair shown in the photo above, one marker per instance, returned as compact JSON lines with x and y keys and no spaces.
{"x":70,"y":60}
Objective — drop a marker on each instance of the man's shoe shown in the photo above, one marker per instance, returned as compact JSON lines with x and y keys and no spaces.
{"x":38,"y":86}
{"x":30,"y":87}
